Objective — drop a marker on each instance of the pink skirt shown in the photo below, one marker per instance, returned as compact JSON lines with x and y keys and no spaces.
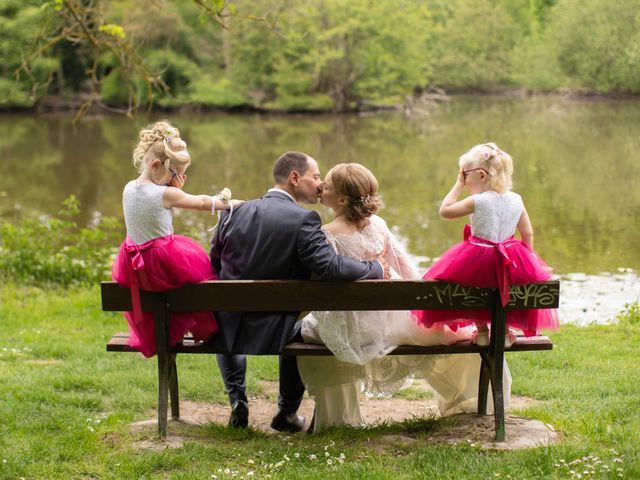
{"x":477,"y":262}
{"x":158,"y":265}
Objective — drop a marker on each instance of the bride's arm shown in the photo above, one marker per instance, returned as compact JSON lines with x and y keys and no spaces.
{"x":396,"y":256}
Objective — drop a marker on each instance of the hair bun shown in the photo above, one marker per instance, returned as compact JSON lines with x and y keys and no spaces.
{"x":363,"y":208}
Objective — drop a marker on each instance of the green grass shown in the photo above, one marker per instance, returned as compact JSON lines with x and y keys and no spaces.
{"x":66,"y":408}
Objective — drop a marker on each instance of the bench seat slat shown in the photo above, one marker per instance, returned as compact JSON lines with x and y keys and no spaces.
{"x":118,"y":343}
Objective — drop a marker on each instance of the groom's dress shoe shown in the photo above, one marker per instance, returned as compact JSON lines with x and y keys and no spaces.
{"x":287,"y":422}
{"x":239,"y":414}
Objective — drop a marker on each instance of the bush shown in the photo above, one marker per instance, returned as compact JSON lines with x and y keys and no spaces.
{"x":11,"y":95}
{"x":630,"y":316}
{"x":56,"y":251}
{"x":598,"y":43}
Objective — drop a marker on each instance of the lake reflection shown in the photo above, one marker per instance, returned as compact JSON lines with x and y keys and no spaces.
{"x":575,"y":166}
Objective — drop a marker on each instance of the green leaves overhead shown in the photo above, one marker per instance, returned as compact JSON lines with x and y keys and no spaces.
{"x":309,"y":54}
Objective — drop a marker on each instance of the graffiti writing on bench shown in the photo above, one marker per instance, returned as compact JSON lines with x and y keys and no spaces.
{"x":534,"y":296}
{"x":457,"y":295}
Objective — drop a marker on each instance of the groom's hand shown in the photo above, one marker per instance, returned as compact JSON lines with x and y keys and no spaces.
{"x":385,"y":267}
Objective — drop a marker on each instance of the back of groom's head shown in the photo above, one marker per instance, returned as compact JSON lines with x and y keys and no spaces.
{"x":287,"y":163}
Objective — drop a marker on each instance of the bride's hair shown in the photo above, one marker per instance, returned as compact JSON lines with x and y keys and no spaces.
{"x":360,"y":187}
{"x":160,"y":140}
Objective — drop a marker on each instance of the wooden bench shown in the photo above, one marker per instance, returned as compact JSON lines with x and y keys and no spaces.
{"x":278,"y":295}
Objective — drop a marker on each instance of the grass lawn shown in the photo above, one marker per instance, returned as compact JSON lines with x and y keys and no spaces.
{"x":66,"y":407}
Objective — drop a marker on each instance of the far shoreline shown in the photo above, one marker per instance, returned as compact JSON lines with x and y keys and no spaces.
{"x":55,"y":104}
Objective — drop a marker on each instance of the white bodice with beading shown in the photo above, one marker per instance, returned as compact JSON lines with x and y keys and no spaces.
{"x":144,"y":215}
{"x":496,"y":215}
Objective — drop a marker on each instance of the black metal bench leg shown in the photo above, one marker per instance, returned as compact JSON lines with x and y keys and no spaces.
{"x":173,"y":388}
{"x":498,"y":398}
{"x":163,"y":392}
{"x":164,"y":364}
{"x":496,"y":353}
{"x":483,"y":384}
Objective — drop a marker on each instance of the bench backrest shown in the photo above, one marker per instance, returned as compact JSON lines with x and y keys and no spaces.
{"x":296,"y":295}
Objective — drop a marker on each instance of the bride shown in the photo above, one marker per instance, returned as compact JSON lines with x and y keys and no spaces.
{"x":361,"y":340}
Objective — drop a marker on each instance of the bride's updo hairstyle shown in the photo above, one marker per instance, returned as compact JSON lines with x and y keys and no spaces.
{"x":497,"y":164}
{"x":161,"y":140}
{"x":360,"y":187}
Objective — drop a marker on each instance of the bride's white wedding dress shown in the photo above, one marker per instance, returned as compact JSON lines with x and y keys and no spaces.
{"x":361,"y":340}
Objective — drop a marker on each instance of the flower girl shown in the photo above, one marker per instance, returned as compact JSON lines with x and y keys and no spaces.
{"x":152,"y":257}
{"x":489,"y":256}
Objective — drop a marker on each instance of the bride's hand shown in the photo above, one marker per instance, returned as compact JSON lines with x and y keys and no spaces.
{"x":385,"y":267}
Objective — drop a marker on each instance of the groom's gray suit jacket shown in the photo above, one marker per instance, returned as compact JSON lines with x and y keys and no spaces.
{"x":273,"y":238}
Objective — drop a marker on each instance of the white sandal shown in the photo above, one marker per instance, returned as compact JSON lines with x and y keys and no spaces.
{"x":481,"y":339}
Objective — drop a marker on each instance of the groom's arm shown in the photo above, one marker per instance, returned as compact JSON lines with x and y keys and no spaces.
{"x":320,"y":258}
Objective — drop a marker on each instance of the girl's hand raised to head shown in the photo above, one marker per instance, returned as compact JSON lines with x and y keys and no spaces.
{"x":178,"y":180}
{"x":460,"y":179}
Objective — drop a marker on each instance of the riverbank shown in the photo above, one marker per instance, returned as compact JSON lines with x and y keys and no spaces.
{"x":68,"y":409}
{"x":412,"y":104}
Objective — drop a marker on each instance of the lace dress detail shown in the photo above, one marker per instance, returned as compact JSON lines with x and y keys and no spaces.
{"x":144,"y":215}
{"x":496,"y":215}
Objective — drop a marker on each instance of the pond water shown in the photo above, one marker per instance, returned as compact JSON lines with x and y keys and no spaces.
{"x":576,"y":166}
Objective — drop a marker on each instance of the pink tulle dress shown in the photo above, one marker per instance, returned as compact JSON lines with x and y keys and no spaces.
{"x":152,"y":258}
{"x":490,"y":257}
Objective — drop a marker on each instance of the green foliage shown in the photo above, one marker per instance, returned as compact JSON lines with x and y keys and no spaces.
{"x":472,"y":48}
{"x":113,"y":90}
{"x":56,"y":251}
{"x":19,"y":25}
{"x":630,"y":316}
{"x":353,"y":52}
{"x":535,"y":64}
{"x":598,"y":43}
{"x":216,"y":91}
{"x":11,"y":95}
{"x":113,"y":30}
{"x":322,"y":54}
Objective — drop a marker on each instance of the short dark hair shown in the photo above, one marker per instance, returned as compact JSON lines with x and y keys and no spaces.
{"x":287,"y":163}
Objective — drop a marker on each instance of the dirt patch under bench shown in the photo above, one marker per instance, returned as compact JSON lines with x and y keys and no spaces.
{"x":477,"y":431}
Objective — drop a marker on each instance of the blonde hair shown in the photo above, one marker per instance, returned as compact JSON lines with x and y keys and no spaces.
{"x":161,"y":140}
{"x":497,"y":164}
{"x":360,"y":187}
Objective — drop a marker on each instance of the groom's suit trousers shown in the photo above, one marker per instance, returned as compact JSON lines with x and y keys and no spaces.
{"x":234,"y":367}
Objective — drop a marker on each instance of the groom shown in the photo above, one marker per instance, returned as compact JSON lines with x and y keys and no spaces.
{"x":273,"y":238}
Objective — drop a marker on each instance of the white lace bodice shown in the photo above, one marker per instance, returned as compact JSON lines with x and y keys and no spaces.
{"x":496,"y":215}
{"x":144,"y":215}
{"x":373,"y":241}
